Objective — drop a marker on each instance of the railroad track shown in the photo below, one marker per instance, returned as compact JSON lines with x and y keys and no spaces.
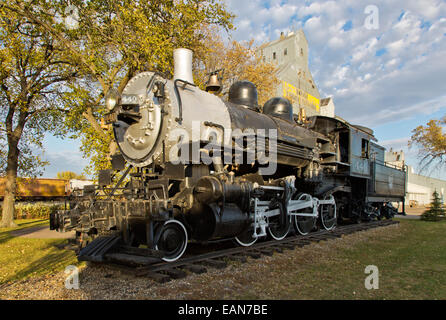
{"x":163,"y":272}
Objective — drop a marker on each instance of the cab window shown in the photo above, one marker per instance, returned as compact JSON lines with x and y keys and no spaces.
{"x":365,"y":149}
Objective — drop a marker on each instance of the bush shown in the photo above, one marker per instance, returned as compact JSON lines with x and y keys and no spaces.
{"x":38,"y":210}
{"x":436,"y":211}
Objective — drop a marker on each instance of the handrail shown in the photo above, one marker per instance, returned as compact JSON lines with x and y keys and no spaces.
{"x":180,"y":104}
{"x":387,"y":164}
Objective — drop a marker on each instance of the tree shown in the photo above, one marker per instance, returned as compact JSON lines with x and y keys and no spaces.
{"x":68,"y":175}
{"x":33,"y":70}
{"x":238,"y":62}
{"x":435,"y":211}
{"x":432,"y":142}
{"x":110,"y":41}
{"x":107,"y":41}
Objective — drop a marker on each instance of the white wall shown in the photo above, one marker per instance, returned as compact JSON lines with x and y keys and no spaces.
{"x":328,"y":110}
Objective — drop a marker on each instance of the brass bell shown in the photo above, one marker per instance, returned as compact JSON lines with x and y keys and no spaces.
{"x":302,"y":115}
{"x":213,"y":85}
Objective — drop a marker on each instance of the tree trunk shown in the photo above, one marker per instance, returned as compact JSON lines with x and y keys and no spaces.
{"x":10,"y":187}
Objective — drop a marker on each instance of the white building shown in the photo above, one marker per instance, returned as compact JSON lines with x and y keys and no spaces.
{"x":76,"y":184}
{"x":290,"y":54}
{"x":419,"y":188}
{"x":327,"y":107}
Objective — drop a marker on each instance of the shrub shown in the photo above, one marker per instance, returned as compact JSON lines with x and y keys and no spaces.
{"x":436,"y":211}
{"x":38,"y":210}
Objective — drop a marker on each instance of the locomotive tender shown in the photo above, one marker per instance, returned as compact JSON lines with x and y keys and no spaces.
{"x":202,"y":169}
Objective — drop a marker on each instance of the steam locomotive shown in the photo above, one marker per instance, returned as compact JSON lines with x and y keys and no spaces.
{"x":193,"y":167}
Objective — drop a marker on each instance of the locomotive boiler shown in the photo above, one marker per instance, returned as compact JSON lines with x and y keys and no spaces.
{"x":192,"y":167}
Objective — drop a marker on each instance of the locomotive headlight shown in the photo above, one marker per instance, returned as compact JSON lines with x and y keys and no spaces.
{"x":112,"y":99}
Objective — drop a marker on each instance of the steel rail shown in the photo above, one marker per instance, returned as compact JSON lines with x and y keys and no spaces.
{"x":166,"y":271}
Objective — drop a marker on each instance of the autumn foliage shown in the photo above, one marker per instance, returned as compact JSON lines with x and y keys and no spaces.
{"x":54,"y":74}
{"x":68,"y":175}
{"x":238,"y":61}
{"x":431,"y":140}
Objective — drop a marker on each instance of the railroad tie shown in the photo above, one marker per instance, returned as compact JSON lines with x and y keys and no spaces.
{"x":158,"y":277}
{"x":131,"y":260}
{"x":144,"y":252}
{"x":238,"y":258}
{"x":266,"y":251}
{"x":253,"y":254}
{"x":329,"y":237}
{"x":288,"y":246}
{"x":141,"y":272}
{"x":176,"y":273}
{"x":301,"y":243}
{"x":278,"y":249}
{"x":217,"y":264}
{"x":194,"y":268}
{"x":315,"y":239}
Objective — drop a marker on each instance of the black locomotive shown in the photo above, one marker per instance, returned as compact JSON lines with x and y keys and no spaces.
{"x":195,"y":168}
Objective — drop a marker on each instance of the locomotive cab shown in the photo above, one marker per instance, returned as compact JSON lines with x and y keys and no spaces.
{"x":356,"y":163}
{"x":336,"y":150}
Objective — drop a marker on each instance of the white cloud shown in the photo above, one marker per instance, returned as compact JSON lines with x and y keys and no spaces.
{"x":366,"y":49}
{"x":313,"y":8}
{"x":313,"y":23}
{"x":396,"y":47}
{"x":376,"y":76}
{"x":336,"y":43}
{"x":395,"y":144}
{"x":280,"y":14}
{"x":64,"y":161}
{"x":392,"y":62}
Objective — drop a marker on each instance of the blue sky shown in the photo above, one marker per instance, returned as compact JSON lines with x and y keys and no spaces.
{"x":390,"y":79}
{"x":63,"y":155}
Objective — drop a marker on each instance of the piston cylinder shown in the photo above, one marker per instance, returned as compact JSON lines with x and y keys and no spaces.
{"x":211,"y":221}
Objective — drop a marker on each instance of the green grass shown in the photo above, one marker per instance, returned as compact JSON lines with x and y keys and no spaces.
{"x":21,"y":258}
{"x":411,"y":263}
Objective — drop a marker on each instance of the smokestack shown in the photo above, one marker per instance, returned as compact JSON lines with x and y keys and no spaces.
{"x":182,"y":65}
